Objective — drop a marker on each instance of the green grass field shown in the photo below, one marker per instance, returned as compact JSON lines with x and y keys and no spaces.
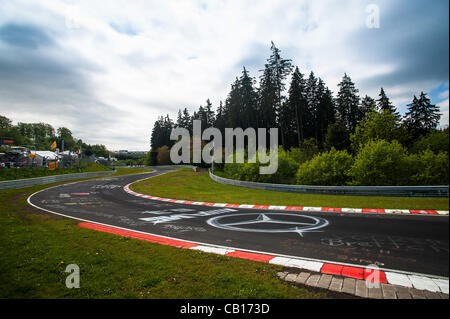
{"x":130,"y":170}
{"x":186,"y":184}
{"x":36,"y":248}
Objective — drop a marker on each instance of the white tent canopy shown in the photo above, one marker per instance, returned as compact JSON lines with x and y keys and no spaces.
{"x":46,"y":154}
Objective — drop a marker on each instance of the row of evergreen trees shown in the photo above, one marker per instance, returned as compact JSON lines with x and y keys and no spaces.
{"x":306,"y":110}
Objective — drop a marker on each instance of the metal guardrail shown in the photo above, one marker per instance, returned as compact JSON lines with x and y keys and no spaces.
{"x":27,"y":182}
{"x":391,"y":191}
{"x":158,"y":166}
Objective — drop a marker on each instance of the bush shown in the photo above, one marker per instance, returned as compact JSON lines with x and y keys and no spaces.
{"x":309,"y":149}
{"x":428,"y":168}
{"x":150,"y":158}
{"x":337,"y":136}
{"x":377,"y":126}
{"x":330,"y":168}
{"x":378,"y":163}
{"x":232,"y":170}
{"x":287,"y":167}
{"x":381,"y":163}
{"x":436,"y":141}
{"x":163,"y":157}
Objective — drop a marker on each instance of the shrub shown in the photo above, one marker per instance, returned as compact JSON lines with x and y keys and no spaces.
{"x":330,"y":168}
{"x":337,"y":136}
{"x":232,"y":170}
{"x":309,"y":149}
{"x":428,"y":168}
{"x":287,"y":167}
{"x":381,"y":163}
{"x":163,"y":157}
{"x":150,"y":158}
{"x":436,"y":141}
{"x":377,"y":126}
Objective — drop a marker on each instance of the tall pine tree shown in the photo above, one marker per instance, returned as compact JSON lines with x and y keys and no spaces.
{"x":384,"y":104}
{"x":278,"y":69}
{"x":161,"y":133}
{"x":422,"y":116}
{"x":298,"y":103}
{"x":233,"y":103}
{"x":347,"y":103}
{"x":267,"y":100}
{"x":325,"y":112}
{"x":368,"y":105}
{"x":220,"y":121}
{"x":249,"y":99}
{"x":210,"y":115}
{"x":312,"y":98}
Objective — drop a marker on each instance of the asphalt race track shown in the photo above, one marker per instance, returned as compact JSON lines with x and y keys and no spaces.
{"x":413,"y":243}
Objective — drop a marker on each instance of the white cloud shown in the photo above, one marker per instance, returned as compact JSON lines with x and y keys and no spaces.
{"x":443,"y":95}
{"x":444,"y":110}
{"x":149,"y":58}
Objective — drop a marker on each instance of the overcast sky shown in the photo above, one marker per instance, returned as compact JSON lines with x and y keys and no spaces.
{"x":107,"y":69}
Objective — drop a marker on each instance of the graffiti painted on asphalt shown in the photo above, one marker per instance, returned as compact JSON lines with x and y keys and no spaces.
{"x":168,"y":211}
{"x":50,"y":201}
{"x":183,"y":229}
{"x":108,"y":186}
{"x":171,"y":218}
{"x":387,"y":243}
{"x":269,"y":223}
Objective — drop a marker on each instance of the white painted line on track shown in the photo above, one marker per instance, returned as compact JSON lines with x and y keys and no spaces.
{"x":220,"y":205}
{"x":214,"y":250}
{"x":423,"y":283}
{"x":282,"y":261}
{"x":297,"y":263}
{"x":398,"y":279}
{"x":312,"y":209}
{"x":351,"y":210}
{"x":442,"y":284}
{"x":395,"y":211}
{"x":245,"y":206}
{"x":312,"y":265}
{"x":277,"y":207}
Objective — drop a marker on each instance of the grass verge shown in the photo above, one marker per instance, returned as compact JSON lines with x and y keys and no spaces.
{"x":189,"y":185}
{"x":129,"y":171}
{"x":36,"y":248}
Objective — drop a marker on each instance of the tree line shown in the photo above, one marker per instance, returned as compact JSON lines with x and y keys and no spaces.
{"x":40,"y":136}
{"x":305,"y":113}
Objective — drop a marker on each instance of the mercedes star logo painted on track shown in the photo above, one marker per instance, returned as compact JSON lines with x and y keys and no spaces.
{"x":251,"y":223}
